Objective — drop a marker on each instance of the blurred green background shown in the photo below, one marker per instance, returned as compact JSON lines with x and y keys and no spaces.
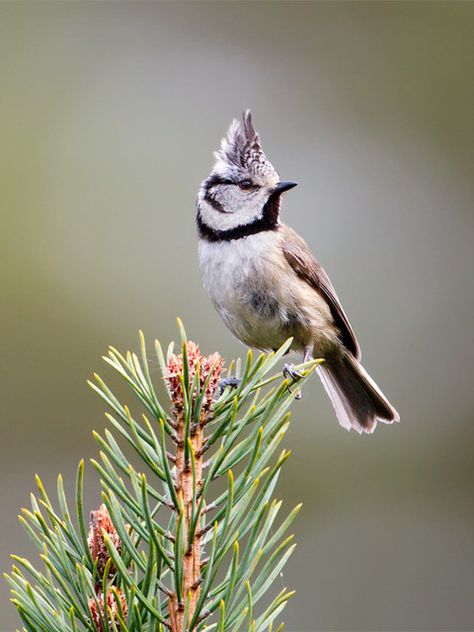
{"x":109,"y":113}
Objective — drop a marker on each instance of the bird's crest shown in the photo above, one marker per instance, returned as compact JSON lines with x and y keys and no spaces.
{"x":241,"y":152}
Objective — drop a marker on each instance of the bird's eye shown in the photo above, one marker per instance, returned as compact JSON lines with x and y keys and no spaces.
{"x":246,"y":185}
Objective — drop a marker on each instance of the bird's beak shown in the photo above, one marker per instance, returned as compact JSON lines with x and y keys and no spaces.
{"x":284,"y":185}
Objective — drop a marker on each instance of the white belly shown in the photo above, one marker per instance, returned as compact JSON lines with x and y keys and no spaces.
{"x":258,"y":296}
{"x":235,"y":275}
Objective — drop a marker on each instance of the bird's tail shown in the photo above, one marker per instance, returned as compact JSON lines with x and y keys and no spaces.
{"x":357,"y":400}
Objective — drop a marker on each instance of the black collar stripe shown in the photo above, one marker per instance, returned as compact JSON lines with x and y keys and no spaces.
{"x":268,"y":221}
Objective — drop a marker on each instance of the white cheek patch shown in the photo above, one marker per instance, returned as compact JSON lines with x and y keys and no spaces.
{"x":230,"y":198}
{"x":218,"y":220}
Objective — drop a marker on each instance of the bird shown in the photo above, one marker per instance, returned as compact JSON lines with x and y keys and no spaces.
{"x":268,"y":287}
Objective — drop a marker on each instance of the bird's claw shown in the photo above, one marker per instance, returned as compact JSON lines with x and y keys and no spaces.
{"x":289,"y":373}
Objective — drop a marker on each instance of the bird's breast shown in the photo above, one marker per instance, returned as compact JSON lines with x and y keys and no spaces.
{"x":244,"y":279}
{"x":236,"y":270}
{"x":259,"y":296}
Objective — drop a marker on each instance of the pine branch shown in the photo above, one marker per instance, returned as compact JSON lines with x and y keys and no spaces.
{"x":170,"y":548}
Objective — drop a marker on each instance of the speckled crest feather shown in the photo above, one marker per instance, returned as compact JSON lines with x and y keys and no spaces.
{"x":241,"y":152}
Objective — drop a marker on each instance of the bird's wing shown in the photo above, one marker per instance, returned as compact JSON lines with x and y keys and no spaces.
{"x":301,"y":260}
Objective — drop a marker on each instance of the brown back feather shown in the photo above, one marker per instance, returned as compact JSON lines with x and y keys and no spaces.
{"x":307,"y":268}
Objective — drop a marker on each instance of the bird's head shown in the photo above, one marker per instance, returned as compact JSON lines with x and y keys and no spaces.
{"x":243,"y":186}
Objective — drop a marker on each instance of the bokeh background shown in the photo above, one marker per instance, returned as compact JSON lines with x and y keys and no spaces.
{"x":109,"y":113}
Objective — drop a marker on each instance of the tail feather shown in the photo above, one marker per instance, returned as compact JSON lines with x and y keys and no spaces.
{"x":356,"y":398}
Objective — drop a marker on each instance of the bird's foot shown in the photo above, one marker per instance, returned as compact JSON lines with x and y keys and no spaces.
{"x":289,"y":373}
{"x":232,"y":381}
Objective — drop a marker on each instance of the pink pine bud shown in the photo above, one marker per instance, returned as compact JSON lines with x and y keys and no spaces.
{"x":100,"y":524}
{"x":208,"y":366}
{"x":97,"y":609}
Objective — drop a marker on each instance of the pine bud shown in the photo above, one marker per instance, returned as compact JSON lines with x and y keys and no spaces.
{"x":97,"y":609}
{"x":206,"y":365}
{"x":100,"y":524}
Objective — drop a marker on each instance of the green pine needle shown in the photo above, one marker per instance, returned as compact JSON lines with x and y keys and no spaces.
{"x":168,"y":515}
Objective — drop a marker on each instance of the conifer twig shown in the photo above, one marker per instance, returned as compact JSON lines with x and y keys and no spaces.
{"x":165,"y":551}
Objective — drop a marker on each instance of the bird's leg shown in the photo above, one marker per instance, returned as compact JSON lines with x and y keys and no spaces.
{"x":290,"y":373}
{"x":232,"y":381}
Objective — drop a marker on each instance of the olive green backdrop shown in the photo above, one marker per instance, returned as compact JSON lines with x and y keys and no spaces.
{"x":109,"y":113}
